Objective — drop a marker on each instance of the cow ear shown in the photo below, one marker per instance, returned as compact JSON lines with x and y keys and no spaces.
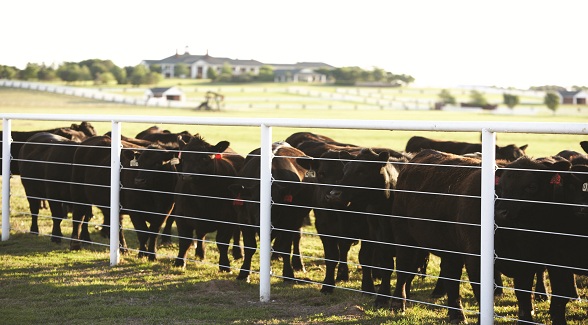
{"x":183,"y":140}
{"x":305,"y":162}
{"x":584,"y":145}
{"x":221,"y":146}
{"x":130,"y":154}
{"x":523,"y":148}
{"x":384,"y":156}
{"x":345,"y":155}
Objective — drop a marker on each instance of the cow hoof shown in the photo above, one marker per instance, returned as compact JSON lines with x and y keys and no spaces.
{"x":180,"y":263}
{"x":382,"y":302}
{"x":56,"y":240}
{"x":457,"y":317}
{"x":397,"y":307}
{"x":327,"y":289}
{"x":243,"y":278}
{"x":224,"y":269}
{"x":152,"y":258}
{"x":75,"y":246}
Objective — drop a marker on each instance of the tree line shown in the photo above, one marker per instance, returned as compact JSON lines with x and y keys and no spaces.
{"x":551,"y":99}
{"x":103,"y":72}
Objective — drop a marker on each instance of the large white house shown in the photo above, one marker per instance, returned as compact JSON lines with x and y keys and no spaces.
{"x":199,"y":65}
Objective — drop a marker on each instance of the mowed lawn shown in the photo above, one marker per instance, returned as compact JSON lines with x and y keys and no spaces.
{"x":43,"y":282}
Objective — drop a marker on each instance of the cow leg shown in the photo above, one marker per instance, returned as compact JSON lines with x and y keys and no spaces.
{"x":87,"y":216}
{"x":200,"y":245}
{"x":453,"y":266}
{"x":57,"y":215}
{"x":141,"y":229}
{"x":284,"y":241}
{"x":166,"y":233}
{"x":523,"y":283}
{"x":78,"y":215}
{"x":366,"y":258}
{"x":540,"y":292}
{"x":563,"y":288}
{"x":250,"y":245}
{"x":343,"y":268}
{"x":34,"y":205}
{"x":185,"y":233}
{"x":223,"y":237}
{"x":154,"y":229}
{"x":406,"y":263}
{"x":237,"y":250}
{"x":332,"y":255}
{"x":297,"y":263}
{"x":385,"y":255}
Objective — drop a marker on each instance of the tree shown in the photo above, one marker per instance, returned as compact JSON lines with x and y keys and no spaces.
{"x":446,"y":97}
{"x":510,"y":100}
{"x":226,"y":73}
{"x":211,"y":73}
{"x":155,"y":68}
{"x":266,"y":73}
{"x":181,"y":70}
{"x":551,"y":100}
{"x":104,"y":78}
{"x":138,"y":75}
{"x":477,"y":98}
{"x":69,"y":72}
{"x":7,"y":72}
{"x":119,"y":74}
{"x":30,"y":71}
{"x":152,"y":78}
{"x":47,"y":73}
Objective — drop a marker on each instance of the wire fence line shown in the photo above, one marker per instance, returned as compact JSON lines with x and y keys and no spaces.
{"x":265,"y":199}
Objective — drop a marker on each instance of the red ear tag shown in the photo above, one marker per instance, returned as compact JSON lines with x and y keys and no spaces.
{"x":238,"y":201}
{"x":218,"y":156}
{"x":556,"y":179}
{"x":496,"y":180}
{"x":288,"y":198}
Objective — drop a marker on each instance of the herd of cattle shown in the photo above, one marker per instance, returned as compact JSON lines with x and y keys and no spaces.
{"x":353,"y":191}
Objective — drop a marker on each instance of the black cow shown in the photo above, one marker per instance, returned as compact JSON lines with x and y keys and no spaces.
{"x":148,"y":191}
{"x":203,"y":199}
{"x":299,"y":137}
{"x":45,"y":165}
{"x":91,"y":185}
{"x":557,"y":230}
{"x":368,"y":181}
{"x":76,"y":132}
{"x":456,"y":212}
{"x":287,"y":213}
{"x":416,"y":143}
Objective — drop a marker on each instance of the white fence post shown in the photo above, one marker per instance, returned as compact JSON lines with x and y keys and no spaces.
{"x":115,"y":193}
{"x":487,"y":228}
{"x":265,"y":206}
{"x":6,"y":143}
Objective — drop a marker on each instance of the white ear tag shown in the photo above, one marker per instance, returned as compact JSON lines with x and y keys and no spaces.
{"x":310,"y":173}
{"x":134,"y":163}
{"x":585,"y":187}
{"x":174,"y":161}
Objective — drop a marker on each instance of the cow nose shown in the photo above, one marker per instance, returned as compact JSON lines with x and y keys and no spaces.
{"x":140,"y":181}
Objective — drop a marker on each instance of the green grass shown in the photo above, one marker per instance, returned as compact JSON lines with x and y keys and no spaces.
{"x":43,"y":282}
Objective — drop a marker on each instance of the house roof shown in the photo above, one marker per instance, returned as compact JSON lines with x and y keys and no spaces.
{"x":190,"y":59}
{"x":163,"y":90}
{"x":572,"y":94}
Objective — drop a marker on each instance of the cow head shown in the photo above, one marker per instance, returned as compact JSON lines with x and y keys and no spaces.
{"x":522,"y":184}
{"x":246,"y":201}
{"x":367,"y":176}
{"x":155,"y":166}
{"x":510,"y":152}
{"x":576,"y":186}
{"x":84,"y":127}
{"x":199,"y":158}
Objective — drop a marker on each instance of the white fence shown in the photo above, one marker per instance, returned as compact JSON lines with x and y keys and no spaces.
{"x":488,"y":130}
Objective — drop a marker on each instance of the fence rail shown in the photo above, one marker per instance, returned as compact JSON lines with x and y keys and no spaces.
{"x":488,"y":130}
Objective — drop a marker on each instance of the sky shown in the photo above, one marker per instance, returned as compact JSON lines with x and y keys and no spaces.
{"x":505,"y":43}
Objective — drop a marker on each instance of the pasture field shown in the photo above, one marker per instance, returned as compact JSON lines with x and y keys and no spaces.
{"x":43,"y":282}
